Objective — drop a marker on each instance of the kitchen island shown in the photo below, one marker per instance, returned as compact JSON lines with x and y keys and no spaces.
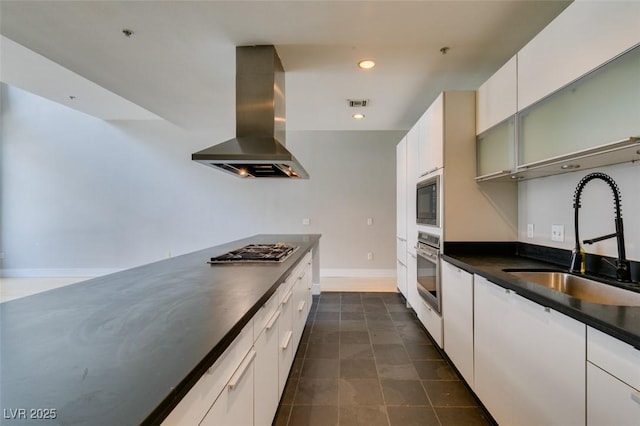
{"x":125,"y":348}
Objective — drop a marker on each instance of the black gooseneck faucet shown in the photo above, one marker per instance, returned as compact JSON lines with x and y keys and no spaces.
{"x":622,"y":265}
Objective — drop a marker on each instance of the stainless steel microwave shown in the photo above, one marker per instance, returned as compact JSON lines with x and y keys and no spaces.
{"x":428,"y":202}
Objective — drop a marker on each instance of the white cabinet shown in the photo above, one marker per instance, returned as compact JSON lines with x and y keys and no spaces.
{"x":300,"y":303}
{"x":266,"y":373}
{"x":610,"y":401}
{"x":234,"y":406}
{"x":496,"y":99}
{"x":244,"y":385}
{"x":431,"y":320}
{"x":457,"y":317}
{"x":401,"y":271}
{"x":401,"y":189}
{"x":583,"y":36}
{"x":529,"y":360}
{"x":196,"y":404}
{"x":613,"y":381}
{"x":431,"y":132}
{"x":493,"y":348}
{"x":413,"y":149}
{"x":549,"y":361}
{"x":401,"y":215}
{"x":285,"y":336}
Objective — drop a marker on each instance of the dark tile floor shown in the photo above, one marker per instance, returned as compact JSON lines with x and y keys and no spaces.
{"x":364,"y":359}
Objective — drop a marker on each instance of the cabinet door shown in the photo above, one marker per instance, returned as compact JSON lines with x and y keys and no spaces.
{"x":493,"y":349}
{"x":266,"y":372}
{"x":610,"y":402}
{"x":431,"y":320}
{"x":412,"y":280}
{"x":457,"y":316}
{"x":497,"y":97}
{"x":285,"y":338}
{"x":432,"y":137}
{"x":549,"y":361}
{"x":401,"y":189}
{"x":412,"y":179}
{"x":234,"y":406}
{"x":402,"y":278}
{"x":582,"y":37}
{"x":300,"y":308}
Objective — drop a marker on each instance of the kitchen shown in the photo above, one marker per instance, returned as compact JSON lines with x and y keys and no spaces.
{"x":163,"y":207}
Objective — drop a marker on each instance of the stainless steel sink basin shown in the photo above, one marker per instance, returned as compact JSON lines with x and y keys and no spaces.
{"x":581,"y":288}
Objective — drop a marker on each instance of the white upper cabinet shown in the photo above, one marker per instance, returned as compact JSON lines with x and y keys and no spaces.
{"x":497,"y":97}
{"x":582,"y":37}
{"x":431,"y":137}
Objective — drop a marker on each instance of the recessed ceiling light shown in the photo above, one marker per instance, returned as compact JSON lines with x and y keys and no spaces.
{"x":367,"y":64}
{"x":358,"y":116}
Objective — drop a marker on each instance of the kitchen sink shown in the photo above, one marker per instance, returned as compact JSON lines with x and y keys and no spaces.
{"x":580,"y":287}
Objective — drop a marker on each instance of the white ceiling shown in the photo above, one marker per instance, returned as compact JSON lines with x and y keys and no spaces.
{"x":180,"y":61}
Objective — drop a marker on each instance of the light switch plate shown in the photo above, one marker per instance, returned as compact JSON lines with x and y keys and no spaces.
{"x":557,"y":233}
{"x":530,"y":232}
{"x":305,"y":221}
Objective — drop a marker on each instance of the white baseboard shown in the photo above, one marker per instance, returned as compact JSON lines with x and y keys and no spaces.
{"x":358,"y":273}
{"x":384,"y":284}
{"x":55,"y":273}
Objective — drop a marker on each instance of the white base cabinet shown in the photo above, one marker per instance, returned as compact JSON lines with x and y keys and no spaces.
{"x":613,"y":381}
{"x":529,"y":360}
{"x":234,"y":406}
{"x":457,"y":317}
{"x":244,"y":385}
{"x":610,"y":402}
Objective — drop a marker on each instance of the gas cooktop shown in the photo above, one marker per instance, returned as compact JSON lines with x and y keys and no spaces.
{"x":269,"y":253}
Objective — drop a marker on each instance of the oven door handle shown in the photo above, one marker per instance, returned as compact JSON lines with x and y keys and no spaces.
{"x":434,"y":256}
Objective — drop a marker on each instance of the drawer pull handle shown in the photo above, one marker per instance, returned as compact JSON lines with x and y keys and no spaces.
{"x":242,"y":369}
{"x":287,"y":339}
{"x":287,"y":297}
{"x":273,"y":320}
{"x":635,"y":396}
{"x":301,"y":306}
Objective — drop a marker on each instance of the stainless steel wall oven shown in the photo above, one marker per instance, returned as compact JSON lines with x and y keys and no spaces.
{"x":428,"y":264}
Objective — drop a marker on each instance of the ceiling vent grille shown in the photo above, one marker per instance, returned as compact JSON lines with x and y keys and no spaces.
{"x":358,"y":103}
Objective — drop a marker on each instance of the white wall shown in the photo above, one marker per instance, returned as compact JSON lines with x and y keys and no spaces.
{"x":548,"y":201}
{"x":83,"y":196}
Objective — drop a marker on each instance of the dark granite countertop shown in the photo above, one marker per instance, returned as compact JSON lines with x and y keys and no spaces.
{"x":123,"y":349}
{"x":622,"y":322}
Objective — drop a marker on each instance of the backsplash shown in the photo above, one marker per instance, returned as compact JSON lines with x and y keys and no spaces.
{"x":548,"y":201}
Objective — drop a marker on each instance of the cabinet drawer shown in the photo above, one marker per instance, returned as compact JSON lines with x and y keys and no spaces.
{"x":610,"y":402}
{"x":194,"y":406}
{"x":265,"y":313}
{"x":618,"y":358}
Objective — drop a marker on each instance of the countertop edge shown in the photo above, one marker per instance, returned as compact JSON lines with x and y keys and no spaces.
{"x":157,"y":416}
{"x":537,"y":297}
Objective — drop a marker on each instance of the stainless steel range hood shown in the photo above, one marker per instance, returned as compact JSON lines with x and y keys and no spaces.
{"x":258,"y":149}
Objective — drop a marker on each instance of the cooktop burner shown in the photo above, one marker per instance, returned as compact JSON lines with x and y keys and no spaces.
{"x":278,"y":252}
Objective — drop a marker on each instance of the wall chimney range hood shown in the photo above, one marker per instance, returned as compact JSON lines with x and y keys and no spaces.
{"x":258,"y":150}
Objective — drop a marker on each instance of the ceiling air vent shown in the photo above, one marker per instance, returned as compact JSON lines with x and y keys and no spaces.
{"x":358,"y":103}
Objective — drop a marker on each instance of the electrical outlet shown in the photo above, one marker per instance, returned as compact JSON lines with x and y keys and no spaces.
{"x":530,"y":230}
{"x":369,"y":221}
{"x":370,"y":256}
{"x":557,"y":233}
{"x":305,"y":221}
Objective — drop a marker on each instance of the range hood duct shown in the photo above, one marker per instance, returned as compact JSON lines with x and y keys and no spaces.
{"x":258,"y":150}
